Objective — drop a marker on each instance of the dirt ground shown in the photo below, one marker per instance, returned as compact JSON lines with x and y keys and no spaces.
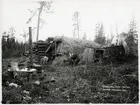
{"x":75,"y":84}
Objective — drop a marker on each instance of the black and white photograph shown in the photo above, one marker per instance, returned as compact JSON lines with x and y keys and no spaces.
{"x":69,"y":51}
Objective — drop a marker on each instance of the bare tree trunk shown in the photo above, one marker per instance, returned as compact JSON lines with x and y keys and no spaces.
{"x":38,"y":24}
{"x":30,"y":44}
{"x":77,"y":27}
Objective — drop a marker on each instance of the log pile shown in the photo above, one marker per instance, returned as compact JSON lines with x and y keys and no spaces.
{"x":40,"y":49}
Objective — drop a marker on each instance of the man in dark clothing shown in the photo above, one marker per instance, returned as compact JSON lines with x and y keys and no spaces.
{"x":74,"y":59}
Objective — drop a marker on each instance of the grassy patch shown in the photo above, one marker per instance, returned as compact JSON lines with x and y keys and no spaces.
{"x":78,"y":84}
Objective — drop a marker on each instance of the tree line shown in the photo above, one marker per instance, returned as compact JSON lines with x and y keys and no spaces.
{"x":11,"y":47}
{"x":131,"y":37}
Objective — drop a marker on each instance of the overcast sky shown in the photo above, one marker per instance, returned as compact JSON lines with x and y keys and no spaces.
{"x":113,"y":13}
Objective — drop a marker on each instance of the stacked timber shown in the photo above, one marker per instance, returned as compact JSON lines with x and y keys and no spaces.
{"x":40,"y":48}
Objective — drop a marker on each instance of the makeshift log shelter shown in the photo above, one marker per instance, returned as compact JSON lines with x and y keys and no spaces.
{"x":88,"y":51}
{"x":54,"y":46}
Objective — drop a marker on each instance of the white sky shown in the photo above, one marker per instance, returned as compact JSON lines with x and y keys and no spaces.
{"x":113,"y":13}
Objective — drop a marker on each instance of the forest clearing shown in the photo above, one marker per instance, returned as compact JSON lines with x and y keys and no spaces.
{"x":62,"y":81}
{"x":65,"y":61}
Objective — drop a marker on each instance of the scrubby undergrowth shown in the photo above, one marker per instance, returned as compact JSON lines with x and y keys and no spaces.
{"x":78,"y":84}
